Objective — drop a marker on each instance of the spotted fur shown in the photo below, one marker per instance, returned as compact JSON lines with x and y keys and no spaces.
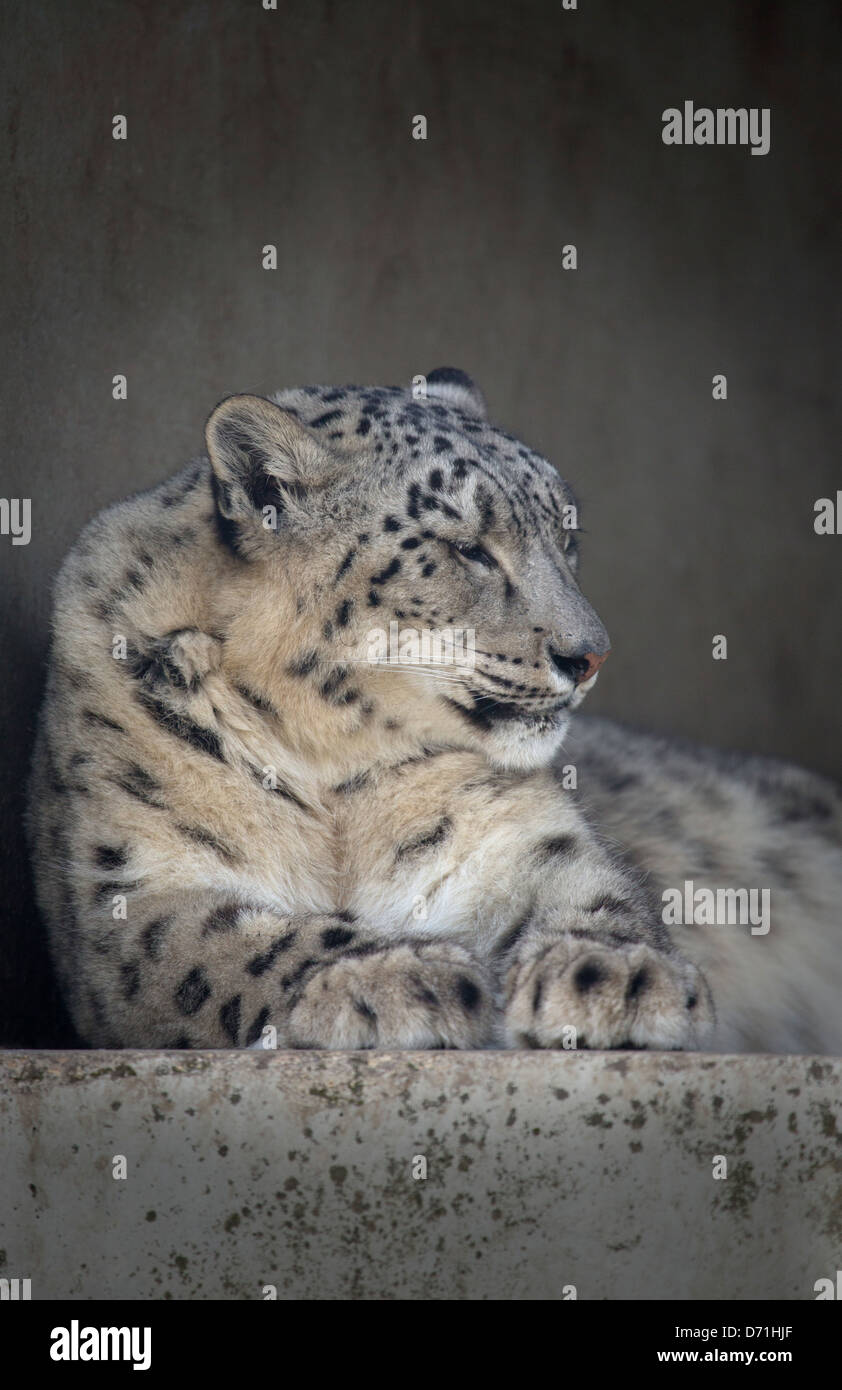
{"x":240,"y":823}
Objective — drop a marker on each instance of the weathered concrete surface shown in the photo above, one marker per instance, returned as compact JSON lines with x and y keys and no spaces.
{"x":295,"y":1170}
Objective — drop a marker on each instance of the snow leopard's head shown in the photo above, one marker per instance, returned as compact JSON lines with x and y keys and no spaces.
{"x":399,"y":516}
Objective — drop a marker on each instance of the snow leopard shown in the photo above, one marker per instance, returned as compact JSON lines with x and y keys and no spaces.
{"x":260,"y":815}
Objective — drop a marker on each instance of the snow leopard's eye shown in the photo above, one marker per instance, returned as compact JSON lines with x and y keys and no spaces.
{"x":474,"y":552}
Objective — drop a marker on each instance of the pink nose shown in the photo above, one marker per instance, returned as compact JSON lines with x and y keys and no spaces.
{"x":578,"y":668}
{"x":592,"y":663}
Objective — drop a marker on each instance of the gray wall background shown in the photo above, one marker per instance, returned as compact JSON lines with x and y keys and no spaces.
{"x":293,"y":127}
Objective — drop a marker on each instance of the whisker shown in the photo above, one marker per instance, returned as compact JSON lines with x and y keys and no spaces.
{"x":445,"y":672}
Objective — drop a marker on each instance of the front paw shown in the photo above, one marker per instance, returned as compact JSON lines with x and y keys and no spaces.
{"x":612,"y":996}
{"x":424,"y":995}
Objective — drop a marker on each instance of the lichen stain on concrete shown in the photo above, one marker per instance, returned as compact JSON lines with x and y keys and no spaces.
{"x":819,"y":1071}
{"x":597,"y":1120}
{"x":739,"y":1189}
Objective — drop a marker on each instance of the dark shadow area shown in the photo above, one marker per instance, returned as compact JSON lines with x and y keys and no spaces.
{"x":293,"y":128}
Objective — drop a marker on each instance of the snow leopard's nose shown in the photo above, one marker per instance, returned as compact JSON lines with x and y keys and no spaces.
{"x":577,"y":666}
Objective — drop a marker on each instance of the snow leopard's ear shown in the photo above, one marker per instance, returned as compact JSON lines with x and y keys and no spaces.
{"x":265,"y":466}
{"x":449,"y":385}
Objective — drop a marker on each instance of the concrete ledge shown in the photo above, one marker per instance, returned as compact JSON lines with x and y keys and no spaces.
{"x":544,"y":1170}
